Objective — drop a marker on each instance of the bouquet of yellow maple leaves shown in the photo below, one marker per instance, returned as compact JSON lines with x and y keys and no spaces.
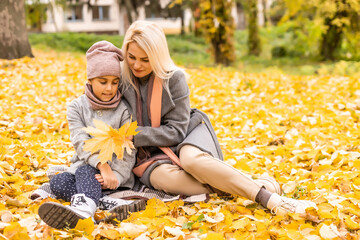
{"x":109,"y":140}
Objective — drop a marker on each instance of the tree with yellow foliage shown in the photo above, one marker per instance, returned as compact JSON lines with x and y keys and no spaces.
{"x":339,"y":19}
{"x":218,"y":28}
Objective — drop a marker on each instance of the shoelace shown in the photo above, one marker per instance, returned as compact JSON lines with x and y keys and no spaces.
{"x":107,"y":204}
{"x":286,"y":203}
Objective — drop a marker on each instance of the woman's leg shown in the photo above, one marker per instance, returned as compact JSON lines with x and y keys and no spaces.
{"x":87,"y":184}
{"x":63,"y":186}
{"x":171,"y":179}
{"x":209,"y":170}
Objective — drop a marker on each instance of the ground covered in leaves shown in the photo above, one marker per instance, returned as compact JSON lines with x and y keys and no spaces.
{"x":304,"y":131}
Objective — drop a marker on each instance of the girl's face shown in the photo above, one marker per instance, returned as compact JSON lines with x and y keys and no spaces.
{"x":138,"y":61}
{"x":105,"y":87}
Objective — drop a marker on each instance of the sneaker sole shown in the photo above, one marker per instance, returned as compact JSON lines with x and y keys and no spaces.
{"x":58,"y":216}
{"x":123,"y":212}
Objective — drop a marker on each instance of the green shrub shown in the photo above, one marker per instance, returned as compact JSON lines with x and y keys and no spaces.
{"x":191,"y":51}
{"x":278,"y":51}
{"x":73,"y":42}
{"x":186,"y":50}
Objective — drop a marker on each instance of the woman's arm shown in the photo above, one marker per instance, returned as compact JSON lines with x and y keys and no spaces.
{"x":122,"y":168}
{"x":174,"y":123}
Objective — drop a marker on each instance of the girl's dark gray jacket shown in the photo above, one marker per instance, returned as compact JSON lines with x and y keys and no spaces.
{"x":180,"y":124}
{"x":80,"y":115}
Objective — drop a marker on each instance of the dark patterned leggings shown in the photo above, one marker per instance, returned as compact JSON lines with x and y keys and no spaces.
{"x":65,"y":185}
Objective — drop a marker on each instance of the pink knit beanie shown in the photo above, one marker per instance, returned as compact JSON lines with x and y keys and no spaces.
{"x":103,"y":59}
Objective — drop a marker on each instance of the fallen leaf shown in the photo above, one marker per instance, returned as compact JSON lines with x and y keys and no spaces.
{"x":16,"y":232}
{"x":85,"y":225}
{"x":131,"y":230}
{"x":329,"y":231}
{"x":6,"y":216}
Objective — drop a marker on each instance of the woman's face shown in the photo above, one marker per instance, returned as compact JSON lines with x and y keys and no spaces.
{"x":138,"y":61}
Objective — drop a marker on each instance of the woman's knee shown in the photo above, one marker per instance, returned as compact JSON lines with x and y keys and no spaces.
{"x":165,"y":176}
{"x":190,"y":157}
{"x":160,"y":173}
{"x":171,"y":179}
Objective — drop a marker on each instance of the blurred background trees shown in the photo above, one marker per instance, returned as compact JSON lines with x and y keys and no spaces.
{"x":254,"y":43}
{"x":234,"y":29}
{"x":338,"y":21}
{"x":327,"y":29}
{"x":217,"y":26}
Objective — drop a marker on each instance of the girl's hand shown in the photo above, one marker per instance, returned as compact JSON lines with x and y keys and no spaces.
{"x":100,"y":179}
{"x":107,"y":177}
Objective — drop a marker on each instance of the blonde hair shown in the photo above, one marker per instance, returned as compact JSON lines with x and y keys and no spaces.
{"x":150,"y":38}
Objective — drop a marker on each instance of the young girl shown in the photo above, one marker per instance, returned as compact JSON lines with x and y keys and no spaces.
{"x":83,"y":182}
{"x":146,"y":57}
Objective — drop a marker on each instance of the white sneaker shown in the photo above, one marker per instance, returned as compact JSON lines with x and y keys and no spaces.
{"x":269,"y":184}
{"x":83,"y":205}
{"x":281,"y":205}
{"x":59,"y":216}
{"x":122,"y":212}
{"x":107,"y":203}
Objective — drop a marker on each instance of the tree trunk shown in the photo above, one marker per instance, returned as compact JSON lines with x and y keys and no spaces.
{"x":331,"y":40}
{"x":14,"y":42}
{"x":52,"y":7}
{"x":216,"y":46}
{"x":182,"y":17}
{"x":254,"y":44}
{"x":196,"y":15}
{"x":267,"y":22}
{"x":131,"y":9}
{"x":241,"y":20}
{"x":223,"y":38}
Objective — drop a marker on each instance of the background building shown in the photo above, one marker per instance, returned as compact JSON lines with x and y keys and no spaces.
{"x":103,"y":16}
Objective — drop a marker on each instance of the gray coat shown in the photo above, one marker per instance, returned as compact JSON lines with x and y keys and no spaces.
{"x":175,"y":115}
{"x":81,"y":115}
{"x":179,"y":123}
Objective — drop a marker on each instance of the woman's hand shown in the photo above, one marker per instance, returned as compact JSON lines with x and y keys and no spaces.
{"x":107,"y":177}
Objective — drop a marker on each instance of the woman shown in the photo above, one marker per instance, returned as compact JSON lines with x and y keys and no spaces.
{"x":147,"y":58}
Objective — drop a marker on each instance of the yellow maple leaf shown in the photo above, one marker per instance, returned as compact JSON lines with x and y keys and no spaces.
{"x":108,"y":140}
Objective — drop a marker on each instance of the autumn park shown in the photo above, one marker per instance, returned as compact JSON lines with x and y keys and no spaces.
{"x":279,"y":81}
